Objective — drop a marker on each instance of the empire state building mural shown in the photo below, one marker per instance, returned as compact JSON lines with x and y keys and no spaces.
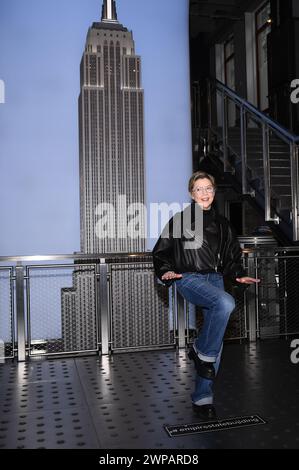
{"x":111,"y":136}
{"x":111,"y":154}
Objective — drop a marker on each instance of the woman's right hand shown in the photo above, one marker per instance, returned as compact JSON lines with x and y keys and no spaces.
{"x":171,"y":275}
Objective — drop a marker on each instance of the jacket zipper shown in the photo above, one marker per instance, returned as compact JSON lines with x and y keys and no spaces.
{"x":218,"y":258}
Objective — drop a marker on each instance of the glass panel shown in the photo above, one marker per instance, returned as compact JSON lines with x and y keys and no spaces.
{"x":280,"y":171}
{"x":231,"y":113}
{"x":230,"y":73}
{"x":234,"y":129}
{"x":254,"y":145}
{"x":218,"y":99}
{"x":263,"y":68}
{"x":262,"y":47}
{"x":263,"y":16}
{"x":229,"y":48}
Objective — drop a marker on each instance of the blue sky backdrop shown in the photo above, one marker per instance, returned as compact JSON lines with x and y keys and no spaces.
{"x":41,"y":45}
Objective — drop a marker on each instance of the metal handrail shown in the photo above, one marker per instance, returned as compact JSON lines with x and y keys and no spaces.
{"x":267,"y":124}
{"x":100,"y":261}
{"x":75,"y":256}
{"x":103,"y":296}
{"x":262,"y":116}
{"x":254,"y":239}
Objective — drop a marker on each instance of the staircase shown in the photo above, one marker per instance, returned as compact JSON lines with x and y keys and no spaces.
{"x":261,"y":155}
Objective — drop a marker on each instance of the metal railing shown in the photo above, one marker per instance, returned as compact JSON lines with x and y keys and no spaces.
{"x":113,"y":303}
{"x":277,"y":296}
{"x":98,"y":304}
{"x":227,"y":110}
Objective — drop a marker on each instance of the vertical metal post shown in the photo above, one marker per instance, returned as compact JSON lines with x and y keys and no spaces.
{"x":181,"y":320}
{"x":243,"y":149}
{"x":257,"y":296}
{"x":209,"y":93}
{"x":245,"y":303}
{"x":266,"y":162}
{"x":224,"y":131}
{"x":20,"y":306}
{"x":28,"y":309}
{"x":209,"y":106}
{"x":103,"y":314}
{"x":187,"y":322}
{"x":172,"y":309}
{"x":285,"y":297}
{"x":252,"y":301}
{"x":291,"y":111}
{"x":294,"y":189}
{"x":12,"y":309}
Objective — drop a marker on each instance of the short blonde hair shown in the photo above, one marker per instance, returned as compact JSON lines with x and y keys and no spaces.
{"x":200,"y":175}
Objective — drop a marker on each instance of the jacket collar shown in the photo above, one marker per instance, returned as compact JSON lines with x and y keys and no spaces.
{"x":212,"y":211}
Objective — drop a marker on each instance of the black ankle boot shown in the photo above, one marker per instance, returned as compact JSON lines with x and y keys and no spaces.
{"x":205,"y":411}
{"x":204,"y":369}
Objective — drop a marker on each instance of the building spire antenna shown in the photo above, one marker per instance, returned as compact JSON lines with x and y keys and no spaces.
{"x":109,"y":14}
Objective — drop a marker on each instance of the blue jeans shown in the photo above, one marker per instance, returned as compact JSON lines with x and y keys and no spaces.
{"x":207,"y":291}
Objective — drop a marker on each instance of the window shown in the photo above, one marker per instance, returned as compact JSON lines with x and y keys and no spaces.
{"x":263,"y":28}
{"x":229,"y":62}
{"x":229,"y":75}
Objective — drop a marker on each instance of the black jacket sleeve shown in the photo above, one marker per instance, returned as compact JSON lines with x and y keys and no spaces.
{"x":163,"y":256}
{"x":233,"y":266}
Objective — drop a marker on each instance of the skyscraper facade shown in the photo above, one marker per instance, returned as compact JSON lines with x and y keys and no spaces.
{"x":111,"y":138}
{"x":112,"y":175}
{"x":78,"y":320}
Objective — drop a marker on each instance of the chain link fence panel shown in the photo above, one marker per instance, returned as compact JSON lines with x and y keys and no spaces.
{"x":141,"y":316}
{"x":278,"y":296}
{"x":7,"y":321}
{"x":61,"y":309}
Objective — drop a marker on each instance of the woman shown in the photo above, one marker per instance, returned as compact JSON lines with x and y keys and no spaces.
{"x":198,"y":274}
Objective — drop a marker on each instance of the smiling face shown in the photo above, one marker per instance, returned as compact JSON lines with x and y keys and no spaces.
{"x":203,"y":192}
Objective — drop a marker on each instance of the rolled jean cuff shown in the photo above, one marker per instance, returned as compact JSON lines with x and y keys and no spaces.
{"x":203,"y":401}
{"x":203,"y":357}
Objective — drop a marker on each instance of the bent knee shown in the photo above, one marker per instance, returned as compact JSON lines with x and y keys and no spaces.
{"x":226,"y":303}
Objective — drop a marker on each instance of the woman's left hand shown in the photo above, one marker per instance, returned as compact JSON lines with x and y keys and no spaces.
{"x":247,"y":280}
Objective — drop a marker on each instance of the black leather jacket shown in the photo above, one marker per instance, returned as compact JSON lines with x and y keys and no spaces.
{"x":171,"y":254}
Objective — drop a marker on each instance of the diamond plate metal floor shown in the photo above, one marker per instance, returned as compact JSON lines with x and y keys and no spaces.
{"x":122,"y":402}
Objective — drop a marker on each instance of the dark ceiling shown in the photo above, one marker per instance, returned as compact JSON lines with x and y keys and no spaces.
{"x":210,"y":17}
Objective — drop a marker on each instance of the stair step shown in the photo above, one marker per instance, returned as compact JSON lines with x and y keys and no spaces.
{"x":285,"y":177}
{"x":280,"y":165}
{"x":274,"y":152}
{"x":273,"y":158}
{"x":251,"y":131}
{"x":281,"y":191}
{"x":252,"y":134}
{"x":285,"y":202}
{"x":285,"y":213}
{"x":258,"y":164}
{"x":259,"y":149}
{"x":284,"y":173}
{"x":257,"y":143}
{"x":275,"y":171}
{"x":256,"y":135}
